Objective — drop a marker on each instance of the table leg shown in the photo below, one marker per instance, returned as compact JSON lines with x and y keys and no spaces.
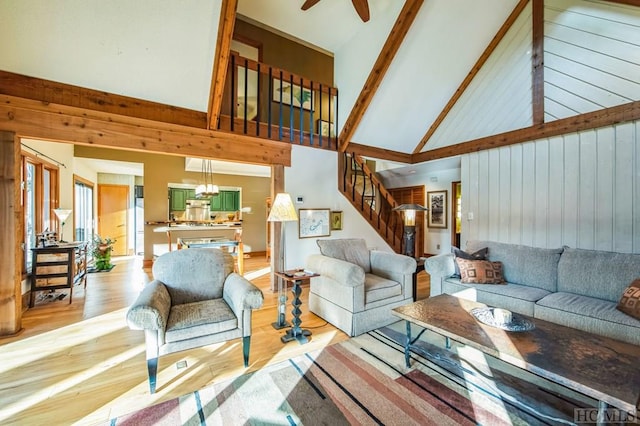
{"x":281,"y":321}
{"x":296,"y":332}
{"x":407,"y":346}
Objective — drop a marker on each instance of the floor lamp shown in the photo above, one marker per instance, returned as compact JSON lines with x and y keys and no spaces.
{"x":62,"y":215}
{"x":409,"y":237}
{"x":283,"y":211}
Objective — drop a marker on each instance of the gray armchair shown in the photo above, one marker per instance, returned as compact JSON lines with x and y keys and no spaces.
{"x":194,"y":300}
{"x":357,"y":287}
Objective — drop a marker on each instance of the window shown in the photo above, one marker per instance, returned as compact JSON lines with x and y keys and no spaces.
{"x":39,"y":198}
{"x":83,"y":209}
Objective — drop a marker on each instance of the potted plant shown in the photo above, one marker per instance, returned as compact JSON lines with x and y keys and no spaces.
{"x":101,"y":252}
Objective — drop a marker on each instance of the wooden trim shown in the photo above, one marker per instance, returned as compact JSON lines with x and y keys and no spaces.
{"x":277,"y":186}
{"x":591,"y":120}
{"x":47,"y":91}
{"x":10,"y":228}
{"x":537,"y":61}
{"x":394,"y":41}
{"x":381,"y":153}
{"x":78,"y":178}
{"x":32,"y":119}
{"x":627,"y":2}
{"x":249,"y":42}
{"x":472,"y":73}
{"x":221,"y":61}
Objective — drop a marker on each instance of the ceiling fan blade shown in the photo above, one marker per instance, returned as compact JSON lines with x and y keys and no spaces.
{"x":362,"y":7}
{"x":309,"y":3}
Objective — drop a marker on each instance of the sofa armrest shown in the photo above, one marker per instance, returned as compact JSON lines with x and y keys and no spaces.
{"x":441,"y":265}
{"x":392,"y":262}
{"x":345,"y":273}
{"x":151,"y":309}
{"x":241,"y":294}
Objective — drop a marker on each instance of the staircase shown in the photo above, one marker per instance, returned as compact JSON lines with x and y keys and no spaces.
{"x":369,"y":196}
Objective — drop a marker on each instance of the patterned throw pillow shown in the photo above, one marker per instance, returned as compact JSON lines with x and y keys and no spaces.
{"x":478,"y":255}
{"x":630,"y":301}
{"x":480,"y":271}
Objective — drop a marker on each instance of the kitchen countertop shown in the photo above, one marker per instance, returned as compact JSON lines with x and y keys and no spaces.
{"x":198,"y":227}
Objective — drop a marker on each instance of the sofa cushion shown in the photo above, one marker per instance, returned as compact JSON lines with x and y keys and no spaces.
{"x":352,"y":250}
{"x":478,"y":255}
{"x":595,"y":273}
{"x":378,"y":288}
{"x":531,"y":266}
{"x":589,"y":314}
{"x":480,"y":271}
{"x":198,"y":319}
{"x":630,"y":300}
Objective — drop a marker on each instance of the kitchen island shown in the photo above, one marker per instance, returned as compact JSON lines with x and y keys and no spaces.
{"x":211,"y":229}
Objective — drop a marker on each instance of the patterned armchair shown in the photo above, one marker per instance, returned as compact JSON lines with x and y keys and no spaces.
{"x":194,"y":300}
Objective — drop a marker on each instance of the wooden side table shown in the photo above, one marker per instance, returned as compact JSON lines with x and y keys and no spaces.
{"x":58,"y":267}
{"x":296,"y":332}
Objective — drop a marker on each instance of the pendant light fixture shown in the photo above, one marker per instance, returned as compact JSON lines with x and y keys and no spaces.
{"x":207,"y":188}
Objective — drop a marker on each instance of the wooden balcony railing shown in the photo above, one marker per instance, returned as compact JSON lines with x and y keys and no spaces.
{"x":265,"y":101}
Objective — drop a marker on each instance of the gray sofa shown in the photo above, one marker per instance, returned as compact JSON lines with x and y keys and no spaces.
{"x":357,"y":287}
{"x":574,"y":287}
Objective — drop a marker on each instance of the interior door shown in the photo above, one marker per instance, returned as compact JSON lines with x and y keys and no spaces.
{"x":413,"y":195}
{"x":113,"y":205}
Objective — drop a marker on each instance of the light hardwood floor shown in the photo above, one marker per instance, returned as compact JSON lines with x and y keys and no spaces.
{"x":79,"y":363}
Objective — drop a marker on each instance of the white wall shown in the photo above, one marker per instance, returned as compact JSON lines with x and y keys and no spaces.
{"x":319,"y":187}
{"x":581,"y":190}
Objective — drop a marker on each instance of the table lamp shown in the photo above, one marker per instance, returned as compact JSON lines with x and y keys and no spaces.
{"x":62,"y":215}
{"x":408,"y":240}
{"x":282,"y":210}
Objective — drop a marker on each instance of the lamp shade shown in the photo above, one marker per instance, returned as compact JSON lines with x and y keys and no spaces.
{"x":62,"y":214}
{"x":207,"y":188}
{"x":410,"y":212}
{"x":282,"y":209}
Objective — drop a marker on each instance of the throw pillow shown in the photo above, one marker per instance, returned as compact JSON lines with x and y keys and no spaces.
{"x":630,"y":301}
{"x":480,"y":271}
{"x":478,"y":255}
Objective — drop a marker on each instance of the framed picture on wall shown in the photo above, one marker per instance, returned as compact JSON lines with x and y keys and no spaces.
{"x":336,"y":220}
{"x":292,"y":94}
{"x":437,"y":204}
{"x":314,"y":223}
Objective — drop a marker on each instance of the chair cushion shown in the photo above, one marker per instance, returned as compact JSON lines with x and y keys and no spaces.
{"x":352,"y":250}
{"x":630,"y":300}
{"x":480,"y":271}
{"x":378,"y":288}
{"x":193,"y":275}
{"x":197,"y":319}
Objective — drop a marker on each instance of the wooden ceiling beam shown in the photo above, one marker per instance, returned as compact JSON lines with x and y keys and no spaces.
{"x":472,"y":73}
{"x":33,"y":119}
{"x":221,"y":60}
{"x":379,"y":153}
{"x":537,"y":61}
{"x":47,"y":91}
{"x":591,"y":120}
{"x":394,"y":41}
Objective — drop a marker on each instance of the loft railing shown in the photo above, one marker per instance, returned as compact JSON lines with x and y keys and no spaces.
{"x":369,"y":196}
{"x":265,"y":101}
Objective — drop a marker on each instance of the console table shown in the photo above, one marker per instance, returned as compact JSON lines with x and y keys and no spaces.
{"x":56,"y":267}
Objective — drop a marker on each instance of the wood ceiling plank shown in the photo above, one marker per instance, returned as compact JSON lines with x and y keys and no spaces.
{"x":32,"y":119}
{"x":65,"y":94}
{"x":221,"y":60}
{"x":392,"y":44}
{"x":592,"y":120}
{"x":379,"y":153}
{"x":472,"y":73}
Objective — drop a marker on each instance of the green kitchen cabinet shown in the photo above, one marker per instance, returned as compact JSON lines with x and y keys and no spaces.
{"x":178,"y":198}
{"x":226,"y":201}
{"x":216,"y":203}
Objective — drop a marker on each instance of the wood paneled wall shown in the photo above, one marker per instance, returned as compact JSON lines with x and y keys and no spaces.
{"x":580,"y":189}
{"x":591,"y":56}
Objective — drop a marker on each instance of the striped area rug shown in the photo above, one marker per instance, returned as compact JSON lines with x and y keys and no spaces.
{"x":360,"y":381}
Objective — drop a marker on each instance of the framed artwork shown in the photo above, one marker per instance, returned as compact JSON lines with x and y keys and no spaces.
{"x":314,"y":223}
{"x":437,"y":204}
{"x":336,"y":221}
{"x":325,"y":128}
{"x":301,"y":95}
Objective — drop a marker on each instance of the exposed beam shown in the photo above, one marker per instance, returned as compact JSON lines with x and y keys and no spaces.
{"x":10,"y":273}
{"x":396,"y":36}
{"x":590,"y":120}
{"x":48,"y":91}
{"x":629,"y":2}
{"x":276,"y":228}
{"x":379,"y":153}
{"x":537,"y":61}
{"x":221,"y":60}
{"x":472,"y":73}
{"x":53,"y":122}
